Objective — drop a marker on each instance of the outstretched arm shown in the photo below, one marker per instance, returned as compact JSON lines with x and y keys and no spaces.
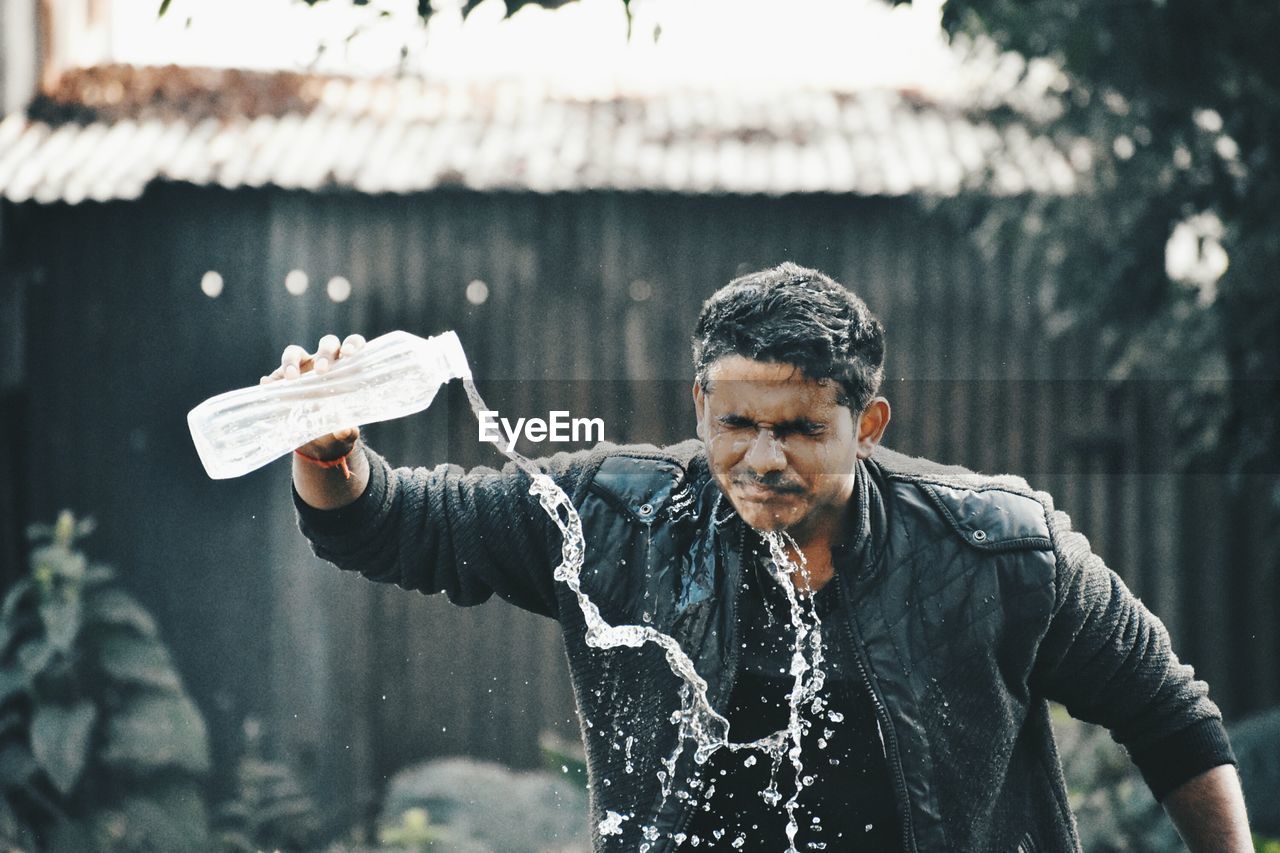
{"x":1208,"y":811}
{"x":465,"y":534}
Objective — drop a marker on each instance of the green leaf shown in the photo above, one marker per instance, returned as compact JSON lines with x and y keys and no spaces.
{"x":14,"y":600}
{"x":98,"y":574}
{"x":144,"y":823}
{"x":51,"y":566}
{"x":235,"y":841}
{"x":13,"y":683}
{"x":60,"y":614}
{"x":39,"y":532}
{"x":34,"y":657}
{"x":17,"y":765}
{"x":13,"y":725}
{"x":68,"y":837}
{"x":186,"y":804}
{"x":164,"y":7}
{"x":137,"y":660}
{"x":119,"y":608}
{"x":60,"y":741}
{"x":155,"y":731}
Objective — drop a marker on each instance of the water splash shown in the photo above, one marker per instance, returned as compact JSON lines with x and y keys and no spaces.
{"x":697,"y":720}
{"x":612,"y":823}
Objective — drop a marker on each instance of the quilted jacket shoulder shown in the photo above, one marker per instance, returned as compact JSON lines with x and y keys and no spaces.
{"x":990,"y":513}
{"x":641,"y":480}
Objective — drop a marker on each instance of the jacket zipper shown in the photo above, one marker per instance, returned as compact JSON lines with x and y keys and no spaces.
{"x":885,"y":723}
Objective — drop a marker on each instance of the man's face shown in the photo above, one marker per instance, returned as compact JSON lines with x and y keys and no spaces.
{"x":780,"y":446}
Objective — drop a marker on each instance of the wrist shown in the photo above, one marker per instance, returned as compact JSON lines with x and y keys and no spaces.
{"x":339,"y":462}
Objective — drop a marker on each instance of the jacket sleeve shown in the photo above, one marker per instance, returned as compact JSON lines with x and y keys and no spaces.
{"x":1108,"y":659}
{"x":468,"y":534}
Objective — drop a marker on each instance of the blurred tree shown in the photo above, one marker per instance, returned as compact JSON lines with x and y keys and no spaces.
{"x":1171,"y":250}
{"x":425,"y":9}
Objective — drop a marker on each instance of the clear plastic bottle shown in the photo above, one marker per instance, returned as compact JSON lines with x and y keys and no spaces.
{"x":394,"y":375}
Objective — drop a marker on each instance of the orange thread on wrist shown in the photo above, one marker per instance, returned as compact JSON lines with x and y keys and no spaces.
{"x":340,"y":462}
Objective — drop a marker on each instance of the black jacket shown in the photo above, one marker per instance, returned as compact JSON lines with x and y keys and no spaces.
{"x":975,"y":604}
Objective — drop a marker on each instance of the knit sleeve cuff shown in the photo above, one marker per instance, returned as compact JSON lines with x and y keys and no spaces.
{"x":1182,"y":756}
{"x":354,"y":516}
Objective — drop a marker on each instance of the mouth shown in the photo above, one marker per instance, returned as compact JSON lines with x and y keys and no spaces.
{"x":756,"y":493}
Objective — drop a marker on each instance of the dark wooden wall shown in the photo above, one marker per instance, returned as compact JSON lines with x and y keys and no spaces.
{"x":355,"y":680}
{"x":13,"y":399}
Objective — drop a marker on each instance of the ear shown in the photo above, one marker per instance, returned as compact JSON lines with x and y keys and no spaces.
{"x":699,"y":408}
{"x":871,"y":426}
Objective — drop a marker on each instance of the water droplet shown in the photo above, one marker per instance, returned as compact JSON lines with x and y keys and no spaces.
{"x":612,"y":823}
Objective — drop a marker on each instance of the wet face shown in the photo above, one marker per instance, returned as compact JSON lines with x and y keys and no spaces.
{"x":780,"y":445}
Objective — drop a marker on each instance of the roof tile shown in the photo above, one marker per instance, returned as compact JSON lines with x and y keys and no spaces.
{"x":107,"y":132}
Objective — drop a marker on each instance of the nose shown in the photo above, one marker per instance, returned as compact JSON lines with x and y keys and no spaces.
{"x":765,"y":453}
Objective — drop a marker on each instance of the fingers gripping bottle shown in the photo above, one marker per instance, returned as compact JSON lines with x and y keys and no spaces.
{"x":394,"y":375}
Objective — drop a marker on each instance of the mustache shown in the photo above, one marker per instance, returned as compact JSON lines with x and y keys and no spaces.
{"x":777,"y":484}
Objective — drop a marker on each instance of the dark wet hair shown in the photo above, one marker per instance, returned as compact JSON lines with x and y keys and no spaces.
{"x":793,"y":315}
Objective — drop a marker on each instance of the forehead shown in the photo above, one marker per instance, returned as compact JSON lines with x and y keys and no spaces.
{"x":764,"y":390}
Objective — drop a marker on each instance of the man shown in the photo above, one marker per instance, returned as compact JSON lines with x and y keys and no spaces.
{"x":953,"y":606}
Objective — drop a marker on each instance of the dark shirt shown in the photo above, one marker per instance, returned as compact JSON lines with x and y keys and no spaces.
{"x":850,"y":804}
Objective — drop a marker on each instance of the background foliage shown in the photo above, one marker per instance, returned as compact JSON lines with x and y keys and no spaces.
{"x":1180,"y":100}
{"x":100,"y":746}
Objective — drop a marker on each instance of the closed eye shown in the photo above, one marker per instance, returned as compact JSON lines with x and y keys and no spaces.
{"x":786,"y":428}
{"x":735,"y":422}
{"x":807,"y":428}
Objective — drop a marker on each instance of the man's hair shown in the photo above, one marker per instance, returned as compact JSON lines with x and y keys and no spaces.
{"x":792,"y":315}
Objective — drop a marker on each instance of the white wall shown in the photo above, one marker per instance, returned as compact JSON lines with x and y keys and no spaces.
{"x":19,"y":53}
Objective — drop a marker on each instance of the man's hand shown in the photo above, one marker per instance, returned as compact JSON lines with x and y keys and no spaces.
{"x":294,"y":362}
{"x":1209,"y":813}
{"x":324,"y":488}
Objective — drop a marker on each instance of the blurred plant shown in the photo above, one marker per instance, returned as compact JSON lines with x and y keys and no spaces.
{"x":563,"y":756}
{"x":1114,"y":808}
{"x":271,"y":810}
{"x":414,"y":831}
{"x":478,"y":805}
{"x":100,"y":747}
{"x":426,"y":8}
{"x":1166,"y":257}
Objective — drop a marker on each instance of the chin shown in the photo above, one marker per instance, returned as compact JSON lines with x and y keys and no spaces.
{"x":765,"y":519}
